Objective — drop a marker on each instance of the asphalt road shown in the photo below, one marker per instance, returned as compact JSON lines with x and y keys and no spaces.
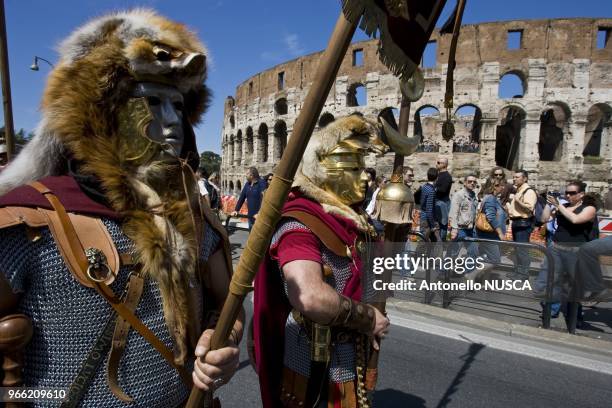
{"x":421,"y":369}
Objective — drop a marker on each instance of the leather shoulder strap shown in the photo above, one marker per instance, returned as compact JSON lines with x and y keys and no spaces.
{"x":89,"y":230}
{"x":11,"y":216}
{"x":327,"y":236}
{"x":74,"y":233}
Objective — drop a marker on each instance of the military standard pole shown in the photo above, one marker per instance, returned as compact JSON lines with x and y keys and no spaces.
{"x":276,"y":195}
{"x":9,"y":129}
{"x":404,"y":120}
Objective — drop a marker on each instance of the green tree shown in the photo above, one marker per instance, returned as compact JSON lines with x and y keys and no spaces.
{"x":21,"y":137}
{"x":210,"y":162}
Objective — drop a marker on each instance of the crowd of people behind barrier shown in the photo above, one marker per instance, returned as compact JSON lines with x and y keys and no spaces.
{"x":565,"y":222}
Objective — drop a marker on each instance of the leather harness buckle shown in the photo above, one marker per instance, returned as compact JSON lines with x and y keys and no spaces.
{"x":98,"y":269}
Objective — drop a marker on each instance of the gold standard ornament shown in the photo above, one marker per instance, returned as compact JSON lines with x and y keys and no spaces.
{"x":394,"y":202}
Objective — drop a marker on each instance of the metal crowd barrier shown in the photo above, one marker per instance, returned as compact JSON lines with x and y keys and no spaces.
{"x":550,"y":272}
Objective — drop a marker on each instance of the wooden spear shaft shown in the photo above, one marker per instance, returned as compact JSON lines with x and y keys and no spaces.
{"x":9,"y":129}
{"x":276,"y":195}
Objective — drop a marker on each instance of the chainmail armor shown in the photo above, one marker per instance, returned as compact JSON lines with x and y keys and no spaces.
{"x":68,"y":318}
{"x":297,"y":351}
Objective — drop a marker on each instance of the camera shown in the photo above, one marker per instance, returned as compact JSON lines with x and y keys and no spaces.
{"x":555,"y":194}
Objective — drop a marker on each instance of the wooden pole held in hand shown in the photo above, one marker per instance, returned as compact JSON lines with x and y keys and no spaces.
{"x":276,"y":194}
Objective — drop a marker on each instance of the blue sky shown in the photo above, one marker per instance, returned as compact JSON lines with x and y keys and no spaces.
{"x":244,"y":37}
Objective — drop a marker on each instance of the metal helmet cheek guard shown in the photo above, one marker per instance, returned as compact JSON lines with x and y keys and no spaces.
{"x":135,"y":147}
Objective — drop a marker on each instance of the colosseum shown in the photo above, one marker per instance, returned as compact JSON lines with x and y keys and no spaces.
{"x":556,"y":124}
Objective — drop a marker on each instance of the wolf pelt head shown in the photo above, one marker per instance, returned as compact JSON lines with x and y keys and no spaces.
{"x":98,"y":64}
{"x":310,"y":175}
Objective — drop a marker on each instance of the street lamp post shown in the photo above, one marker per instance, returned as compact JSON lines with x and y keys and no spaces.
{"x":35,"y":67}
{"x":6,"y":88}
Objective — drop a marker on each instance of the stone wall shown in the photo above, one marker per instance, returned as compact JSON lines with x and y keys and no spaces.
{"x":564,"y":114}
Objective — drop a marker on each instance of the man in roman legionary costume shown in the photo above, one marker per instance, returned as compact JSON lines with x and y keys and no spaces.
{"x":312,"y":331}
{"x":104,"y":246}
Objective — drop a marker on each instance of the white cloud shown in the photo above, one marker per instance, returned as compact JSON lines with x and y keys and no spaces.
{"x":293,"y":45}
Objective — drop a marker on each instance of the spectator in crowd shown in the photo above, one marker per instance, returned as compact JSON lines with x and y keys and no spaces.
{"x":520,"y":211}
{"x":214,"y":193}
{"x":462,"y":216}
{"x":589,"y":280}
{"x":551,"y":223}
{"x":495,"y":214}
{"x":408,"y":176}
{"x":498,"y":173}
{"x":268,"y":179}
{"x":427,"y":201}
{"x":203,"y":184}
{"x":371,"y":186}
{"x":443,"y":187}
{"x":252,"y":192}
{"x":462,"y":212}
{"x":409,"y":181}
{"x":550,"y":227}
{"x":379,"y":183}
{"x":576,"y":223}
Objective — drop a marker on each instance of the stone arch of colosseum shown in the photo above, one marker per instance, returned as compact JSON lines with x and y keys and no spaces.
{"x":556,"y":122}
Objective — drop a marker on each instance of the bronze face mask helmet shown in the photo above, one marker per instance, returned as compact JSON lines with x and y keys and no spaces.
{"x":335,"y":158}
{"x":151,"y":123}
{"x":346,"y":178}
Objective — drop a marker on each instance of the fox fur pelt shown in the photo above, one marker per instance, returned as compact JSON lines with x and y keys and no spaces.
{"x":86,"y":89}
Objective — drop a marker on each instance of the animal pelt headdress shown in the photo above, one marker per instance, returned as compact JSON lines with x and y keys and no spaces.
{"x":361,"y":133}
{"x":99,"y":65}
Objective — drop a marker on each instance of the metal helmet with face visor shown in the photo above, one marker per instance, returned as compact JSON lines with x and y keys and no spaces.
{"x":345,"y":166}
{"x":151,"y":123}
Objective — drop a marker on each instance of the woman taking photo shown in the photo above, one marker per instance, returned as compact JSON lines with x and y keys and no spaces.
{"x":576,"y":221}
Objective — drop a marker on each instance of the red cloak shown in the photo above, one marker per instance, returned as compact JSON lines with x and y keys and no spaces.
{"x":67,"y":191}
